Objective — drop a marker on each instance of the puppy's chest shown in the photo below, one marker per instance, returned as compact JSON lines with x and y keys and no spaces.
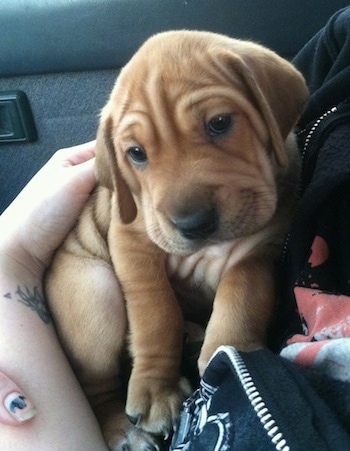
{"x":195,"y":278}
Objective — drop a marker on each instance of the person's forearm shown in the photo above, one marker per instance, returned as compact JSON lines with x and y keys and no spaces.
{"x":31,"y":355}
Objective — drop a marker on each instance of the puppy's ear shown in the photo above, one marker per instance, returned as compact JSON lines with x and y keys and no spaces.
{"x":108,"y":173}
{"x":277,"y":89}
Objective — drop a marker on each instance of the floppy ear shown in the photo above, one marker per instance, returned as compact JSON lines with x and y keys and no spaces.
{"x":108,"y":173}
{"x":277,"y":89}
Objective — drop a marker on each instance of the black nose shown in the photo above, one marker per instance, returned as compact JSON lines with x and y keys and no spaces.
{"x":198,"y":224}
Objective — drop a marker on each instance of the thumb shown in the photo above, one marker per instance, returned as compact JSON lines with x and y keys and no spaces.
{"x":15,"y":408}
{"x":83,"y":176}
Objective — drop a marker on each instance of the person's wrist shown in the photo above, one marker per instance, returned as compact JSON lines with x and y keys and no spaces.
{"x":16,"y":260}
{"x":17,"y":245}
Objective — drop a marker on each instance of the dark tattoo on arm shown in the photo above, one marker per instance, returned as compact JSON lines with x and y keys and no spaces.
{"x":33,"y":299}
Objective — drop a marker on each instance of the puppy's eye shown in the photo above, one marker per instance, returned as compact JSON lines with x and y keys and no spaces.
{"x":137,"y":156}
{"x":218,"y":125}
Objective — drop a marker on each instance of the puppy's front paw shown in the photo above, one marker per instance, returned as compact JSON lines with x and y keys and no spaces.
{"x":154,"y":404}
{"x":205,"y":355}
{"x":140,"y":440}
{"x":210,"y":346}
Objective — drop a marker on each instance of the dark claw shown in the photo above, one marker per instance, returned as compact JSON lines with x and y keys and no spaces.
{"x":152,"y":448}
{"x":135,"y":420}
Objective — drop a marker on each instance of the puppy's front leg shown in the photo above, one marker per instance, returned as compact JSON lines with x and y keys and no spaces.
{"x":242,"y":308}
{"x":155,"y":391}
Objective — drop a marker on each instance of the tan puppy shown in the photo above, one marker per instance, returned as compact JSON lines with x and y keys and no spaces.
{"x":198,"y":172}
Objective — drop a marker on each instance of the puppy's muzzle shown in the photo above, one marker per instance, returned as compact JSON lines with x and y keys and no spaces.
{"x":197,"y":224}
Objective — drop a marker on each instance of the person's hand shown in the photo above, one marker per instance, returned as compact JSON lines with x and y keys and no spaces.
{"x":38,"y":220}
{"x":15,"y":408}
{"x":32,"y":227}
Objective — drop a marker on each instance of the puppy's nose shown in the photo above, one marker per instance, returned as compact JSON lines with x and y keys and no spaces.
{"x":198,"y":224}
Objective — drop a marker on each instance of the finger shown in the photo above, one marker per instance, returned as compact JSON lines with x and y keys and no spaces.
{"x":83,"y":177}
{"x":75,"y":155}
{"x":15,"y":408}
{"x":85,"y":167}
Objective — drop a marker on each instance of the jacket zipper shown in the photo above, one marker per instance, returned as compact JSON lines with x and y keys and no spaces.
{"x":314,"y":128}
{"x":304,"y":160}
{"x":257,"y":402}
{"x":306,"y":155}
{"x":260,"y":408}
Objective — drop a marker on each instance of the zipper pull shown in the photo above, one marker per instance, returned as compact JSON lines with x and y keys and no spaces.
{"x":183,"y":427}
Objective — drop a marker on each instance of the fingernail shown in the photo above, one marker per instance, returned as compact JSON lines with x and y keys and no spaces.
{"x":19,"y":406}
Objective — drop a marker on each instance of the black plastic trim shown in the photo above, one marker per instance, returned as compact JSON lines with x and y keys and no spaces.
{"x":16,"y":118}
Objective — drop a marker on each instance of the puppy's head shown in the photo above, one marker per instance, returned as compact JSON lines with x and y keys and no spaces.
{"x":193,"y":137}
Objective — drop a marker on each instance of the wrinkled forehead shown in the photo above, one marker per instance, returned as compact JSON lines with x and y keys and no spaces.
{"x":176,"y":77}
{"x":175,"y":60}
